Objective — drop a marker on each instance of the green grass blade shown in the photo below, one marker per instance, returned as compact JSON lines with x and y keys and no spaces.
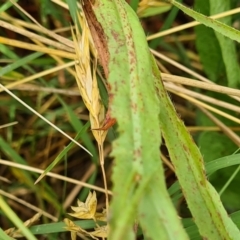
{"x":26,"y":177}
{"x":19,"y":63}
{"x":221,"y":163}
{"x":227,"y":46}
{"x":7,"y":5}
{"x":4,"y":236}
{"x":168,"y":22}
{"x":209,"y":53}
{"x":192,"y":229}
{"x":231,"y":178}
{"x":203,"y":201}
{"x":154,"y":10}
{"x":77,"y":125}
{"x":15,"y":219}
{"x":211,"y":167}
{"x":62,"y":153}
{"x":60,"y":227}
{"x":6,"y":51}
{"x":72,"y":4}
{"x":219,"y":56}
{"x":134,"y":4}
{"x":220,"y":27}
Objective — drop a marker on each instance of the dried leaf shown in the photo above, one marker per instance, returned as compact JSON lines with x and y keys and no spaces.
{"x":98,"y":35}
{"x":86,"y":210}
{"x":101,"y":216}
{"x":10,"y":232}
{"x":101,"y":231}
{"x":74,"y":229}
{"x":16,"y":233}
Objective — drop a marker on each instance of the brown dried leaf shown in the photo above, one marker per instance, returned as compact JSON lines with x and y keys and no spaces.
{"x":97,"y":34}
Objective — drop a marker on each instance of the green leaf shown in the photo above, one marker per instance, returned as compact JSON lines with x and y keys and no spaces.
{"x":77,"y":125}
{"x":192,"y":230}
{"x":228,"y":48}
{"x":211,"y":167}
{"x":26,"y":177}
{"x":219,"y":55}
{"x":221,"y":163}
{"x":214,"y":145}
{"x":141,"y":106}
{"x":72,"y":4}
{"x":134,"y":4}
{"x":168,"y":22}
{"x":218,"y":26}
{"x":4,"y":236}
{"x":210,"y":52}
{"x":60,"y":227}
{"x":18,"y":63}
{"x":15,"y":219}
{"x":4,"y":7}
{"x":139,"y":182}
{"x":154,"y":10}
{"x":62,"y":153}
{"x":203,"y":200}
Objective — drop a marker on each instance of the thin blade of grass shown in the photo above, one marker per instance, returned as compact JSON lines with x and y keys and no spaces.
{"x":62,"y":153}
{"x":12,"y":154}
{"x":43,"y":118}
{"x":15,"y":219}
{"x":72,"y":4}
{"x":19,"y":63}
{"x":60,"y":227}
{"x":221,"y":163}
{"x":7,"y":5}
{"x":77,"y":124}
